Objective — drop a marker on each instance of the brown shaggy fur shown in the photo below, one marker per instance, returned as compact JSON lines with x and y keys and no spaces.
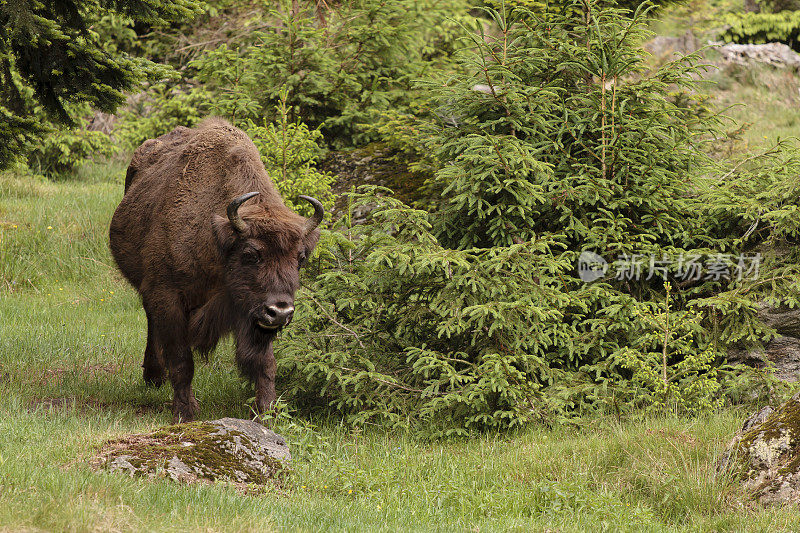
{"x":172,"y":240}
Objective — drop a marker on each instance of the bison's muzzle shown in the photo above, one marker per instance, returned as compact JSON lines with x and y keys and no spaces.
{"x":275,"y":316}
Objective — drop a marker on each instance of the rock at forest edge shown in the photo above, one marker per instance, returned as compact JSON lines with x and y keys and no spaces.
{"x":241,"y":452}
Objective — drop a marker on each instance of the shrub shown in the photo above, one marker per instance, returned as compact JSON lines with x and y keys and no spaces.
{"x":59,"y":153}
{"x":400,"y":330}
{"x":759,"y":28}
{"x":161,"y":110}
{"x":51,"y":60}
{"x":342,"y":64}
{"x":684,"y":381}
{"x":576,"y":137}
{"x":289,"y":151}
{"x":754,"y":201}
{"x":473,"y":316}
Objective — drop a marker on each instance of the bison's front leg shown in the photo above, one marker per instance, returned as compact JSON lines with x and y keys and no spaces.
{"x":265,"y":383}
{"x":256,"y":361}
{"x":181,"y":372}
{"x":154,"y":370}
{"x":170,"y":328}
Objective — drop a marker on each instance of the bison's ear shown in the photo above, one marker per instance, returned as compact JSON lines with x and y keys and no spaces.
{"x":223,"y":233}
{"x":310,"y":241}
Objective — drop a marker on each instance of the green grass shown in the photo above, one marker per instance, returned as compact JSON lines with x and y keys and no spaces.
{"x":71,"y":339}
{"x":760,"y":98}
{"x":651,"y":476}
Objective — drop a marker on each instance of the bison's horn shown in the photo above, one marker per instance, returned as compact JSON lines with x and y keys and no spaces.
{"x":233,"y":211}
{"x":316,"y":218}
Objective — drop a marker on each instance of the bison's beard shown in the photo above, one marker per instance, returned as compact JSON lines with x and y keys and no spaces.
{"x":220,"y":316}
{"x":253,"y":347}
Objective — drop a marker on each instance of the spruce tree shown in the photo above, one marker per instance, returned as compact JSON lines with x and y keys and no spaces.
{"x":51,"y":60}
{"x":569,"y":133}
{"x":555,"y":138}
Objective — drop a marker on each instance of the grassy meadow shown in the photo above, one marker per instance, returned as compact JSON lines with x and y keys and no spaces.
{"x":71,"y":339}
{"x":72,"y":335}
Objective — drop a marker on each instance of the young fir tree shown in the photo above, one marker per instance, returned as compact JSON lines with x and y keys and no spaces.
{"x":342,"y":63}
{"x":572,"y":136}
{"x":401,"y":330}
{"x":51,"y":59}
{"x":559,"y":139}
{"x":569,"y":133}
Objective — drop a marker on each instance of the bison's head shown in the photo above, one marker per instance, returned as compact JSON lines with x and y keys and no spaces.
{"x":263,"y":249}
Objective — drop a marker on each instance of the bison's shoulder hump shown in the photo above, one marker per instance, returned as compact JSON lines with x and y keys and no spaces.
{"x":226,"y":143}
{"x":152,"y":150}
{"x":212,"y":144}
{"x":219,"y":134}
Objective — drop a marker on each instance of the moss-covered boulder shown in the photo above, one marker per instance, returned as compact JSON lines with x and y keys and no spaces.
{"x":765,"y":454}
{"x":241,"y":452}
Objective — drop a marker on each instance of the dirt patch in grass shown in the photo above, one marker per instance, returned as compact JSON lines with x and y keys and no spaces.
{"x":87,"y":405}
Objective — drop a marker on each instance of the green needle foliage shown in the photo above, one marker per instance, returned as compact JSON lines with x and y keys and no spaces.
{"x":402,"y":330}
{"x":51,"y":60}
{"x":556,"y":139}
{"x":754,"y":201}
{"x":572,"y":135}
{"x":289,"y":151}
{"x":341,"y":63}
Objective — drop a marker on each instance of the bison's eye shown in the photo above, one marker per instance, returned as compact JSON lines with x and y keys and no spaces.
{"x":251,"y":257}
{"x":301,"y":258}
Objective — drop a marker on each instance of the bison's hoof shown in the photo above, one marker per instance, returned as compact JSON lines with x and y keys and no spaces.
{"x":184,"y":411}
{"x":154,"y":376}
{"x":153,"y":379}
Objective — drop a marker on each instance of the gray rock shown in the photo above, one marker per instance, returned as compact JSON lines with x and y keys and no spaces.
{"x":765,"y":454}
{"x":178,"y":470}
{"x":783,"y":351}
{"x":785,"y":320}
{"x":662,"y":46}
{"x":757,"y":419}
{"x":122,"y":464}
{"x":241,"y":452}
{"x":777,"y":54}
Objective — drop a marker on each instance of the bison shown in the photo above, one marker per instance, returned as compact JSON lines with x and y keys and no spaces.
{"x":204,"y":264}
